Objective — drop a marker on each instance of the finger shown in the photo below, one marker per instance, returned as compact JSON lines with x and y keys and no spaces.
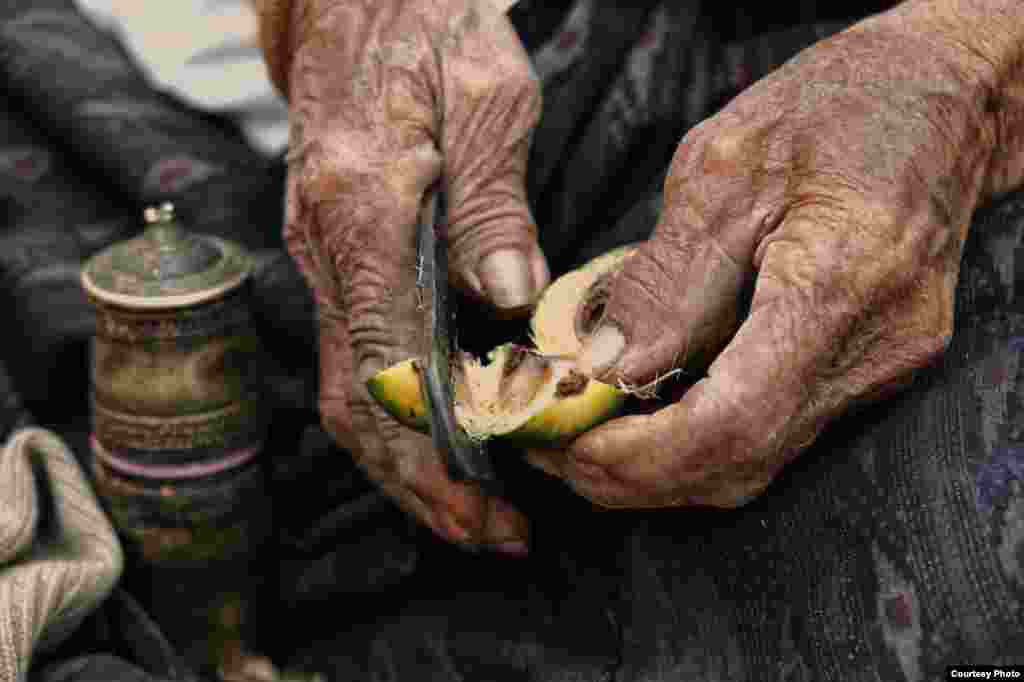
{"x":675,"y":302}
{"x":409,"y":470}
{"x":463,"y":513}
{"x":507,"y":530}
{"x":491,"y":103}
{"x":550,"y":461}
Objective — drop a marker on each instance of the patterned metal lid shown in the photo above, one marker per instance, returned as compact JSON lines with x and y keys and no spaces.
{"x":165,"y":267}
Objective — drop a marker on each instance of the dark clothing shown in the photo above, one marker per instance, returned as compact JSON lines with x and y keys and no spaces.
{"x":894,"y":547}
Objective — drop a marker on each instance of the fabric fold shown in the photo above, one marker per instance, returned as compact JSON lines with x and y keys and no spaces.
{"x":59,"y":555}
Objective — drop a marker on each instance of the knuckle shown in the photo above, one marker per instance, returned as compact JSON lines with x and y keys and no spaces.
{"x":641,"y":281}
{"x":504,"y":85}
{"x":328,"y":176}
{"x":391,"y":434}
{"x":653,"y":271}
{"x":727,"y":146}
{"x":737,"y":147}
{"x":374,"y":349}
{"x":361,"y":414}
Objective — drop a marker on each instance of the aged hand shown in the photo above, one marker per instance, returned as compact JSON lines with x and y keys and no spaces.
{"x":841,"y":188}
{"x":387,"y":97}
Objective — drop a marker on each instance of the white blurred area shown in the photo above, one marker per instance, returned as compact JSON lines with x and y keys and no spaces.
{"x":205,"y":52}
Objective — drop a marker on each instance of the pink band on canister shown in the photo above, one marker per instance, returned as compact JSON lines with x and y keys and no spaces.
{"x":172,"y":471}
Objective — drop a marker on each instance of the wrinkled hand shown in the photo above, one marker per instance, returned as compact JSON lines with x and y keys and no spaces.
{"x":388,"y":97}
{"x":841,"y":187}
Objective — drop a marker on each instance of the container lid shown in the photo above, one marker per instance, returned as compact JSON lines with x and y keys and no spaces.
{"x":165,"y":267}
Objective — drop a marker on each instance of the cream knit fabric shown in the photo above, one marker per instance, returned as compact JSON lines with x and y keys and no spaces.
{"x":204,"y":52}
{"x":54,"y":572}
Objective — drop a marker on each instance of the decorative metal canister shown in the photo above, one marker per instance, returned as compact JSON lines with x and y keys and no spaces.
{"x":178,"y":427}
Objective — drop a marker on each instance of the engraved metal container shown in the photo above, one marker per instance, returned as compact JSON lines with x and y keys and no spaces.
{"x":178,"y":425}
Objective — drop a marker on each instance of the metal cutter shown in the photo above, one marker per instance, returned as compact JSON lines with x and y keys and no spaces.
{"x":467,"y":459}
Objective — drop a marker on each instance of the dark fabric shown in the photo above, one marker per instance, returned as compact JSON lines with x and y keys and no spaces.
{"x":100,"y":668}
{"x":13,"y":414}
{"x":119,"y":642}
{"x":52,"y":217}
{"x":77,"y":83}
{"x":893,"y":548}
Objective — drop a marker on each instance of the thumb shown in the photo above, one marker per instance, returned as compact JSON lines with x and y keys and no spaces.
{"x":673,"y":303}
{"x":492,"y":103}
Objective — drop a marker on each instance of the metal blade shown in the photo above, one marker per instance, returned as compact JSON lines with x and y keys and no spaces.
{"x":467,"y":460}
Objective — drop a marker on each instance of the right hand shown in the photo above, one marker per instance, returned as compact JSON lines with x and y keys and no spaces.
{"x":387,"y":97}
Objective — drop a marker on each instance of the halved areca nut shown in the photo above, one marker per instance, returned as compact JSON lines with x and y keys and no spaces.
{"x":399,"y":391}
{"x":530,"y":396}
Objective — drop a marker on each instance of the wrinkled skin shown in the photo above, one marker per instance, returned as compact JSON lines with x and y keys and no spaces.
{"x":387,"y":98}
{"x":841,"y":188}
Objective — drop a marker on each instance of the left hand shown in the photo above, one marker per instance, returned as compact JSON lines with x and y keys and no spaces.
{"x":390,"y":98}
{"x":842,"y":186}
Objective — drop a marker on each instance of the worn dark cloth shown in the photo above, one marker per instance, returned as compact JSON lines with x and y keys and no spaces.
{"x":894,"y":547}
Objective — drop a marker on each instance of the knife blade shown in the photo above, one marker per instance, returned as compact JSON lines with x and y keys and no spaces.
{"x":467,"y":460}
